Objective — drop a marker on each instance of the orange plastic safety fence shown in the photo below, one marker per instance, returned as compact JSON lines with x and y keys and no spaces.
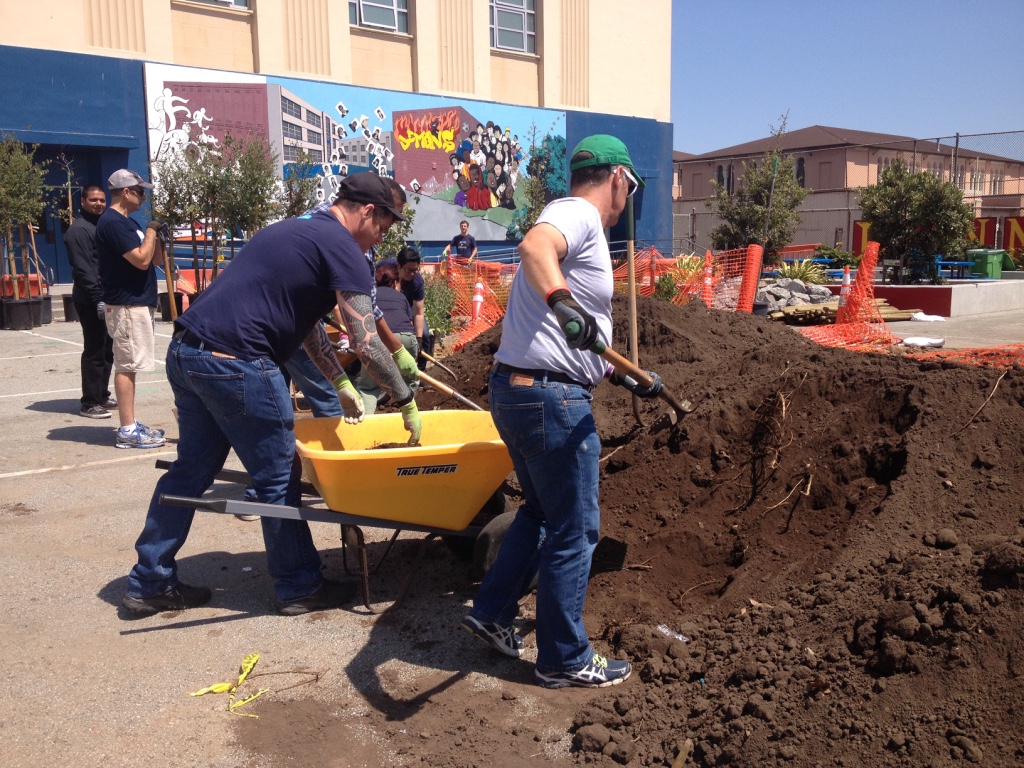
{"x":1005,"y":356}
{"x":858,"y":321}
{"x":649,"y":265}
{"x":475,"y":317}
{"x":721,"y":279}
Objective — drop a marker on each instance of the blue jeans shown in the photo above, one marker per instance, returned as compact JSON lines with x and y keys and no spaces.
{"x":549,"y":430}
{"x":225,"y":403}
{"x":314,"y":386}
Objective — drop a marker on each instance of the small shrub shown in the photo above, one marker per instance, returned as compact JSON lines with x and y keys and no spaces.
{"x":837,"y":256}
{"x":806,"y":270}
{"x":665,"y":287}
{"x":438,"y":303}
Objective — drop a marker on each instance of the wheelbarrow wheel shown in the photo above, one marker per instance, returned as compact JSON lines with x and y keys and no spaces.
{"x":487,"y":544}
{"x":463,"y":546}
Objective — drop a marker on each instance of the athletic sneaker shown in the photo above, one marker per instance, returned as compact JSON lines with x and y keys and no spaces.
{"x":151,"y":431}
{"x":137,"y":438}
{"x":177,"y":598}
{"x":599,"y":673}
{"x":94,"y":412}
{"x":110,"y":404}
{"x":502,"y":639}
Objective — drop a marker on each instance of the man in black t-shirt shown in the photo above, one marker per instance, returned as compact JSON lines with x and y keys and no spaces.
{"x":462,"y":245}
{"x":223,"y":365}
{"x":126,"y":258}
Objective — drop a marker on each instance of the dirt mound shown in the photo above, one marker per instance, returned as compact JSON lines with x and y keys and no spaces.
{"x":838,"y":535}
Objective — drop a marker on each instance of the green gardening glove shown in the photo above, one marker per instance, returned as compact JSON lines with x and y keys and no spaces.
{"x":406,"y":365}
{"x":351,"y":400}
{"x":413,"y":423}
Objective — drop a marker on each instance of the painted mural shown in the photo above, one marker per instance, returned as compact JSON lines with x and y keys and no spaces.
{"x":457,"y":159}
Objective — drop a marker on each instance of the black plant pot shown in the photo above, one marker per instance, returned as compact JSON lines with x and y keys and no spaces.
{"x":70,"y":311}
{"x":165,"y":306}
{"x":17,"y":314}
{"x":36,"y":305}
{"x":47,"y":312}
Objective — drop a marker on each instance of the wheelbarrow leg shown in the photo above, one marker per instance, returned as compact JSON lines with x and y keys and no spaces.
{"x":413,"y":569}
{"x":355,"y":533}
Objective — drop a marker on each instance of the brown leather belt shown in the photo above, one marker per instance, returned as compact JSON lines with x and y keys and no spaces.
{"x":540,"y":373}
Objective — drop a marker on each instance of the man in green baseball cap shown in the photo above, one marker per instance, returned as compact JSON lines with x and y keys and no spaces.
{"x":540,"y":392}
{"x":602,"y":149}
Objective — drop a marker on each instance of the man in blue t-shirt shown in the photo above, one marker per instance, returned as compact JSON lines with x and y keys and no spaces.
{"x":126,"y":256}
{"x":463,"y":244}
{"x":223,"y":364}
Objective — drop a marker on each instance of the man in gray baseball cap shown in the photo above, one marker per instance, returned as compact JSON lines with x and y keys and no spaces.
{"x":126,"y":253}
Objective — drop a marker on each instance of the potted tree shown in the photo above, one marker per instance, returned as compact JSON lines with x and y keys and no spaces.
{"x":21,"y":202}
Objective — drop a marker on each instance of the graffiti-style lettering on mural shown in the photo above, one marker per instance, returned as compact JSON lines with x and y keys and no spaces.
{"x":984,"y":231}
{"x":1013,"y":233}
{"x":429,"y":131}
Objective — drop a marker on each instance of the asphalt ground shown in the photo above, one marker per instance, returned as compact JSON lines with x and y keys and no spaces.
{"x":85,"y":685}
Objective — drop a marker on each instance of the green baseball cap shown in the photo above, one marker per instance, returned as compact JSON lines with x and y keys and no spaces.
{"x":606,"y":150}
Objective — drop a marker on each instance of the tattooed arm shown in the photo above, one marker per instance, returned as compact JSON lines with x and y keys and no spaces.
{"x":357,"y":315}
{"x":318,"y":347}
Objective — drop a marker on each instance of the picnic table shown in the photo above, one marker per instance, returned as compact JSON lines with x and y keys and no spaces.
{"x":959,"y":267}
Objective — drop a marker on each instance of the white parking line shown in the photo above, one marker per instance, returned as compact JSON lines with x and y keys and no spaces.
{"x":52,"y":338}
{"x":77,"y":389}
{"x":143,"y":454}
{"x":33,"y":357}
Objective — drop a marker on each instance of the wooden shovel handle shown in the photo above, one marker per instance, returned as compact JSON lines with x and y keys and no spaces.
{"x":449,"y":391}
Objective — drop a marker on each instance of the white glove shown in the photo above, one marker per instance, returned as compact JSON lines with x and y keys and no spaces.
{"x":351,"y":400}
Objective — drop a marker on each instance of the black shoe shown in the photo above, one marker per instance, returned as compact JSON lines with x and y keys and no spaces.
{"x":110,"y":404}
{"x":331,"y":595}
{"x":94,"y":412}
{"x":177,"y":598}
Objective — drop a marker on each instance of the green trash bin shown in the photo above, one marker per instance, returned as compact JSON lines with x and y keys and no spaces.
{"x":988,"y":262}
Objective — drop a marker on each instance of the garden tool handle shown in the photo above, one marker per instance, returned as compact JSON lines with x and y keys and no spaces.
{"x":449,"y":391}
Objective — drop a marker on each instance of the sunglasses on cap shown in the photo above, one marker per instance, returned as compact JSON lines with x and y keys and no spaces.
{"x":631,"y":182}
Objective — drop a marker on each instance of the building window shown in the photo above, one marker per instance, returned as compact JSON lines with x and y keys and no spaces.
{"x":289,"y":107}
{"x":315,"y":155}
{"x":514,"y":25}
{"x":730,"y":179}
{"x":225,"y":3}
{"x":291,"y":130}
{"x":801,"y":172}
{"x":290,"y":154}
{"x":720,"y":176}
{"x":996,"y":184}
{"x":314,"y":119}
{"x":314,"y":137}
{"x":392,"y":15}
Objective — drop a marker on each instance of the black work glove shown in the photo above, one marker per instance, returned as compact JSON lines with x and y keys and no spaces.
{"x":634,"y":386}
{"x":578,"y":325}
{"x":163,"y":232}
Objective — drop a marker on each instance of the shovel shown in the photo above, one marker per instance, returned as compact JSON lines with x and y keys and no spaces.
{"x":448,"y":391}
{"x":622,"y":365}
{"x":439,"y":364}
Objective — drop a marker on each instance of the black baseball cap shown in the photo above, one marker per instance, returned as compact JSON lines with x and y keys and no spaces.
{"x":369,"y":189}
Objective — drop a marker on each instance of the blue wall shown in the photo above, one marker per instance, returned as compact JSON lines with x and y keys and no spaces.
{"x":91,"y":108}
{"x":650,"y":148}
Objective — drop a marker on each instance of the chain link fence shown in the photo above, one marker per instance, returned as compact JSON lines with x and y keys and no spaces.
{"x":987,"y":167}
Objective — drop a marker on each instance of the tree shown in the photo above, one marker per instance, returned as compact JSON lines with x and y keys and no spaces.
{"x":21,"y":191}
{"x":301,"y":181}
{"x":543,"y":182}
{"x":914,"y":216}
{"x":251,"y":185}
{"x":745,"y":211}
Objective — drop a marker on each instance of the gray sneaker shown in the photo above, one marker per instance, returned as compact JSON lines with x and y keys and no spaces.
{"x":151,"y":431}
{"x":502,"y":639}
{"x":94,"y":412}
{"x":137,"y":438}
{"x":599,"y":673}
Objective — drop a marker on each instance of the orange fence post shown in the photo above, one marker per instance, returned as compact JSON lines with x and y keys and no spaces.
{"x":751,"y":277}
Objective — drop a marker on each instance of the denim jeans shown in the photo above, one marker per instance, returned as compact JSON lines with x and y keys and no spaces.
{"x":314,"y":386}
{"x":549,"y":430}
{"x":224,"y":403}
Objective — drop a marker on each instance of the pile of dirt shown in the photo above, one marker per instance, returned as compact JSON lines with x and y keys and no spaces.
{"x":838,"y":535}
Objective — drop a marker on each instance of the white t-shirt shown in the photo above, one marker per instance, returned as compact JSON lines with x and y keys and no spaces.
{"x":531,"y":336}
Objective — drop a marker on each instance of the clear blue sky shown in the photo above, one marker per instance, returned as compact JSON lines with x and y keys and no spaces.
{"x":921,"y":68}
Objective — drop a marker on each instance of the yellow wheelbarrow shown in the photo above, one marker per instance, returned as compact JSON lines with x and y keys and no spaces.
{"x":367,"y":476}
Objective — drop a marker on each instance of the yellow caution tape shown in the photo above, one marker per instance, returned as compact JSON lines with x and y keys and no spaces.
{"x":248,"y":664}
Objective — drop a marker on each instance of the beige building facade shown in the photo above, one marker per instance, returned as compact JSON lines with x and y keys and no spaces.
{"x":582,"y":57}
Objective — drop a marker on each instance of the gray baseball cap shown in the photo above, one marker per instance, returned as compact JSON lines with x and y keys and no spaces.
{"x":124,"y":178}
